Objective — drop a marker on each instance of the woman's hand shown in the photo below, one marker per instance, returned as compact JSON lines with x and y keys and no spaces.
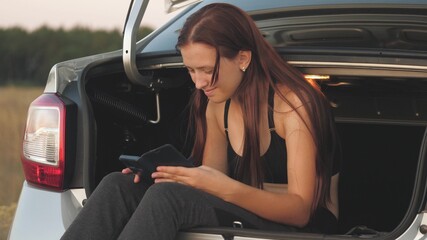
{"x":204,"y":178}
{"x":136,"y":179}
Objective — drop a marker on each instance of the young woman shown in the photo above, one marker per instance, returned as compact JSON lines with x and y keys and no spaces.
{"x":265,"y":140}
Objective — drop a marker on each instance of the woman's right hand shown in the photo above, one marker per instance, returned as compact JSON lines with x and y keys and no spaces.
{"x":136,"y":179}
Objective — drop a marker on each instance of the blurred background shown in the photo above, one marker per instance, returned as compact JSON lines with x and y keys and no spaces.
{"x":34,"y":35}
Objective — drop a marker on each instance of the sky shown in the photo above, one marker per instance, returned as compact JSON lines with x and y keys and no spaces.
{"x":94,"y":14}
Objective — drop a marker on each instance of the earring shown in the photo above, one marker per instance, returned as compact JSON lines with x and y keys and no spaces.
{"x":243,"y":69}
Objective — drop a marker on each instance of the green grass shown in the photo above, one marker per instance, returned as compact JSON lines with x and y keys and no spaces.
{"x":14,"y":102}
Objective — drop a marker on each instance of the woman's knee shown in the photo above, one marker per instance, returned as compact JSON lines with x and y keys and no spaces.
{"x":161,"y":193}
{"x":174,"y":188}
{"x":171,"y":194}
{"x":183,"y":204}
{"x":115,"y":178}
{"x":161,"y":190}
{"x":119,"y":186}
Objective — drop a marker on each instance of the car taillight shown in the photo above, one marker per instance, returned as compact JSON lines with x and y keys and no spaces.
{"x":43,"y":155}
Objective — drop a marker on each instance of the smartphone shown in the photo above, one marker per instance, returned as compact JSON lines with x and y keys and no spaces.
{"x":146,"y":164}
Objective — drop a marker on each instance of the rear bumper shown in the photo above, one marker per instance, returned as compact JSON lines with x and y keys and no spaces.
{"x":43,"y":214}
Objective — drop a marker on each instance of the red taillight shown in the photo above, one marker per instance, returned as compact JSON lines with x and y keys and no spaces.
{"x":43,"y":155}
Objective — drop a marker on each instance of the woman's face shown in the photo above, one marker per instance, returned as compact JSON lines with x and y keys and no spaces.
{"x":200,"y":59}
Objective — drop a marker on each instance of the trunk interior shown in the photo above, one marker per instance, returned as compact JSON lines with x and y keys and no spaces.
{"x":381,"y":121}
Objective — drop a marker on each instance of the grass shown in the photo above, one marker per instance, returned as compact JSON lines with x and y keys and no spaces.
{"x":14,"y":102}
{"x":6,"y":217}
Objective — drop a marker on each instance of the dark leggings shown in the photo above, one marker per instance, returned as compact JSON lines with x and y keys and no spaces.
{"x":121,"y":209}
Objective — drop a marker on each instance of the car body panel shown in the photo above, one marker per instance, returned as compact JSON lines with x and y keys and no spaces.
{"x":164,"y":44}
{"x":44,"y":214}
{"x":413,"y":231}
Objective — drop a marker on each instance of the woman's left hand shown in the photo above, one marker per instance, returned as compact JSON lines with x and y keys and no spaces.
{"x":204,"y":178}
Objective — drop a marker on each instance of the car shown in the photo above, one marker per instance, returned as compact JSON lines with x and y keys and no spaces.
{"x":368,"y":56}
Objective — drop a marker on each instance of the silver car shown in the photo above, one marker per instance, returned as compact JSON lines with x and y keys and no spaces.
{"x":369,"y":56}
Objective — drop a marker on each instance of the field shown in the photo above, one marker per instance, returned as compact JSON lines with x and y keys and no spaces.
{"x":14,"y":102}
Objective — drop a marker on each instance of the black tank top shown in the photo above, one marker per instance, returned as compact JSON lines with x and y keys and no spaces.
{"x":275,"y":158}
{"x":275,"y":170}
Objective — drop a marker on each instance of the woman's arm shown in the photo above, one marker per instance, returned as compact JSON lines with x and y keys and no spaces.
{"x":215,"y":152}
{"x":293,"y":207}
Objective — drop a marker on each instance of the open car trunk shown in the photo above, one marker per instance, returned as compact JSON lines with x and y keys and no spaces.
{"x":377,"y":87}
{"x":381,"y":122}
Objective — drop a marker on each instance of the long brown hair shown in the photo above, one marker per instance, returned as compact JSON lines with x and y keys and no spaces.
{"x":229,"y":30}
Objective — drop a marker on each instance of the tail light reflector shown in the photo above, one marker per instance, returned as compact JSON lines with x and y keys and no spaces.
{"x":43,"y":155}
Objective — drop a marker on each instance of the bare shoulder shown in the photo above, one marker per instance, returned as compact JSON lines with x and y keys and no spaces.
{"x":290,"y":111}
{"x":286,"y":101}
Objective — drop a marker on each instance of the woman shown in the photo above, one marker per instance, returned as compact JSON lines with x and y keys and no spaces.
{"x":265,"y":140}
